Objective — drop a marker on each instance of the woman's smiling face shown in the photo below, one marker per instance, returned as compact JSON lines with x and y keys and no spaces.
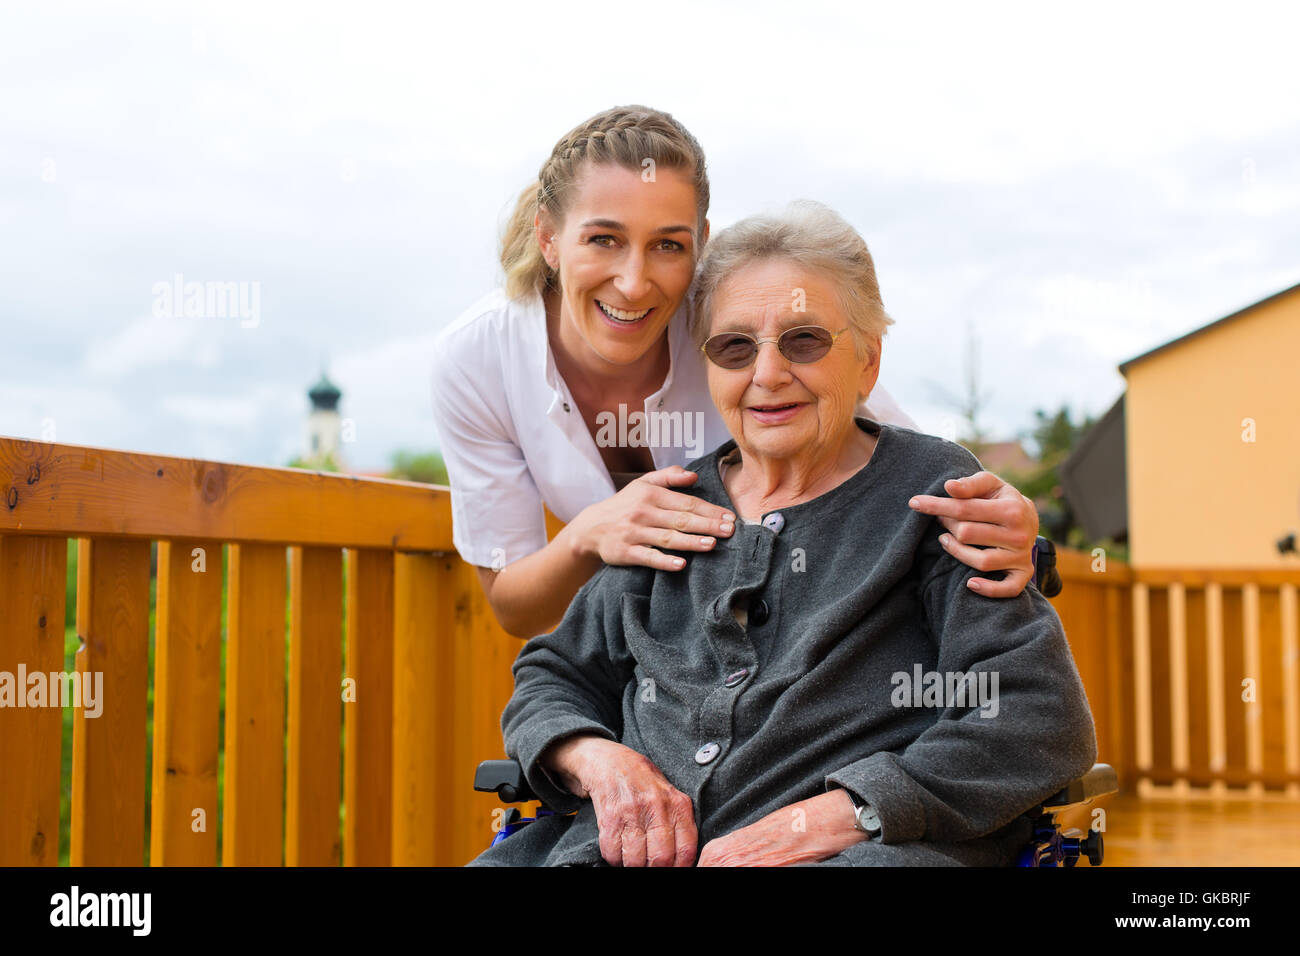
{"x":626,"y":255}
{"x":776,"y":408}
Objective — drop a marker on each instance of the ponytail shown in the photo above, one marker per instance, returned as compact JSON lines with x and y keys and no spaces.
{"x":521,"y":258}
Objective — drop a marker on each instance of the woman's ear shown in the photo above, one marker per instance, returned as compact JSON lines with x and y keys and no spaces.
{"x":870,"y":369}
{"x":545,"y":233}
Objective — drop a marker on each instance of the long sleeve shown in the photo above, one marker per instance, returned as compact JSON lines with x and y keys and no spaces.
{"x":1025,"y":730}
{"x":569,"y":681}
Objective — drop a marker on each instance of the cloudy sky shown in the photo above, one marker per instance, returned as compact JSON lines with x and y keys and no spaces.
{"x":1066,"y":188}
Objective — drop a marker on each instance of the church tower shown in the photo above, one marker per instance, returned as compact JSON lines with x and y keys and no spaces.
{"x":324,"y":424}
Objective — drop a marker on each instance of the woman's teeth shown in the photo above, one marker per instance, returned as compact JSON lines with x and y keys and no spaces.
{"x":618,"y":315}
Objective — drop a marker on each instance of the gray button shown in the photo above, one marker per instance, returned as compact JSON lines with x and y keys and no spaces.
{"x":758,"y":612}
{"x":734,"y":679}
{"x":774,"y":522}
{"x":707,"y":753}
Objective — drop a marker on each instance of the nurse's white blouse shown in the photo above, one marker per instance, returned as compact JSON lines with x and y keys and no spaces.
{"x":513,"y":438}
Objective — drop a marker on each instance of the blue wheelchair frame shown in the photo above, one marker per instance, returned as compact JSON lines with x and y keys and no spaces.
{"x":1048,"y":846}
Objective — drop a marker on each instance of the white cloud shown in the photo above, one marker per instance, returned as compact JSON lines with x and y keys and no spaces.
{"x":149,"y":341}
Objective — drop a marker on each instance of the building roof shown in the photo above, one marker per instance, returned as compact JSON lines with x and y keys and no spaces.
{"x":1094,"y":477}
{"x":324,"y":394}
{"x":1000,"y":456}
{"x":1124,"y":367}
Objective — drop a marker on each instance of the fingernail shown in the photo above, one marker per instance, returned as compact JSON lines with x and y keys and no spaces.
{"x":678,"y":562}
{"x":973,"y":584}
{"x":727,"y":527}
{"x":912,"y":503}
{"x":707,"y":542}
{"x":945,"y":539}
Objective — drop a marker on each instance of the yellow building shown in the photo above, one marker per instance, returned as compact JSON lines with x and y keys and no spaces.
{"x":1212,"y":423}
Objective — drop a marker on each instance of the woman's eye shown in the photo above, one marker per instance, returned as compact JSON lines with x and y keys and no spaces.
{"x":606,"y":241}
{"x":672,"y":245}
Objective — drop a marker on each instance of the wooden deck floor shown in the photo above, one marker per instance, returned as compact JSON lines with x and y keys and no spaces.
{"x":1200,"y":832}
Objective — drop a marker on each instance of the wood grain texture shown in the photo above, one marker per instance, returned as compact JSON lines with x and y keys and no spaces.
{"x":108,"y":751}
{"x":93,"y":491}
{"x":423,"y":621}
{"x":33,"y":578}
{"x":253,"y":832}
{"x":186,"y":718}
{"x":312,"y":830}
{"x":368,"y":720}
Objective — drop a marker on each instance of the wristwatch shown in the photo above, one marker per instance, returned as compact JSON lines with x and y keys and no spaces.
{"x":866,"y":818}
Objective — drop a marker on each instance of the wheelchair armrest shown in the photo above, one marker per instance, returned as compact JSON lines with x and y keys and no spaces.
{"x":1100,"y":781}
{"x":506,"y":779}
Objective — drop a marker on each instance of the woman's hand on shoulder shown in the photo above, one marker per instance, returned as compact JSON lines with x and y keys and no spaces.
{"x":992,"y":527}
{"x":646,"y":518}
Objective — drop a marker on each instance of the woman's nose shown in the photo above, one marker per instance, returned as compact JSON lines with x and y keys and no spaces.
{"x":632,"y":281}
{"x":771,"y":368}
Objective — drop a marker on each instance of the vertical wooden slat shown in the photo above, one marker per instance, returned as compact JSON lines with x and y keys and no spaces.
{"x":1117,"y":737}
{"x":1233,"y":656}
{"x":1161,"y":702}
{"x":1215,"y":689}
{"x":423,"y":619}
{"x":494,"y":651}
{"x":253,"y":822}
{"x":1251,"y":665}
{"x":1178,"y":708}
{"x":1291,"y":683}
{"x":1142,"y":685}
{"x":33,"y":580}
{"x":368,"y":724}
{"x":477,"y":737}
{"x":1272,"y":716}
{"x":108,"y":751}
{"x":1198,"y":715}
{"x":312,"y":835}
{"x":186,"y":713}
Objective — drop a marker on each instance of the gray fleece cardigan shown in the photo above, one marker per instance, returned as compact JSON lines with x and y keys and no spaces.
{"x":865,"y":663}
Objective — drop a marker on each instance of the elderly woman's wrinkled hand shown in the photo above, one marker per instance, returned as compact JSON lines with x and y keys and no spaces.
{"x":804,"y":832}
{"x":643,"y":819}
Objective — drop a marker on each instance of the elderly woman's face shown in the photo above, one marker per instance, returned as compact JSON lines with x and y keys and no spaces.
{"x":774,"y":407}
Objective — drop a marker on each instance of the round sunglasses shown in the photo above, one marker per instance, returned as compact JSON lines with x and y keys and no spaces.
{"x":803,"y":344}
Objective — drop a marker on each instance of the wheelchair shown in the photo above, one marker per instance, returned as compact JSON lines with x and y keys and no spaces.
{"x":1048,"y":846}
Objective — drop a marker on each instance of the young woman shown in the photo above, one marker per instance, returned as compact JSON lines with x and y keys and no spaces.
{"x":577,"y":386}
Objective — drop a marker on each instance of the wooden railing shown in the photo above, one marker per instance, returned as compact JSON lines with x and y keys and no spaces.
{"x":356,"y":640}
{"x":1192,"y":675}
{"x":427,"y":668}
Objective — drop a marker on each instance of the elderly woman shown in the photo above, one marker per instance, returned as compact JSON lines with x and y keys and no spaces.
{"x":797,"y":694}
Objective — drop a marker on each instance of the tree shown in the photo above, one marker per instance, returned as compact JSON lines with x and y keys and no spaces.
{"x":1054,"y":436}
{"x":972,"y":402}
{"x":427,"y":467}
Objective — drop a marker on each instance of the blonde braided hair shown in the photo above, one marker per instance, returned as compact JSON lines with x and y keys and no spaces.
{"x":625,"y":135}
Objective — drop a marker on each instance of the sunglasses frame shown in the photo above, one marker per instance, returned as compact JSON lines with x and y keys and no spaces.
{"x":753,"y":356}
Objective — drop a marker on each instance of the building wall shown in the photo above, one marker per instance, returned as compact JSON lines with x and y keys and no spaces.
{"x":1199,"y":495}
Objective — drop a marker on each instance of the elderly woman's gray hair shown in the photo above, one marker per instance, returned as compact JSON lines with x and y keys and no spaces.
{"x":807,"y":233}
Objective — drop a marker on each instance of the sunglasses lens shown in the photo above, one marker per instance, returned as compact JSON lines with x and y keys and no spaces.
{"x":730,"y":351}
{"x":806,"y":344}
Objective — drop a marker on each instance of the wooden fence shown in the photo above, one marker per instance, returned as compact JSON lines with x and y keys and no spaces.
{"x":427,"y":668}
{"x":1192,"y":675}
{"x":353,"y":737}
